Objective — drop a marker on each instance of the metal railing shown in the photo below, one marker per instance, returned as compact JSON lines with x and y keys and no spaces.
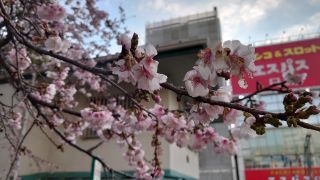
{"x":180,"y":20}
{"x":284,"y":39}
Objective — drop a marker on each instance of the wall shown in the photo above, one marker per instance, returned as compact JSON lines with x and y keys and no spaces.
{"x":184,"y":161}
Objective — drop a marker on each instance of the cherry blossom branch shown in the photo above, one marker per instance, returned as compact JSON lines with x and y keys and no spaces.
{"x":50,"y":139}
{"x":76,"y":146}
{"x":252,"y":111}
{"x":95,"y":146}
{"x":98,"y":71}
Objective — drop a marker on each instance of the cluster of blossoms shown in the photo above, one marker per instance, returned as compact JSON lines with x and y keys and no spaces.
{"x":15,"y":121}
{"x":232,"y":58}
{"x":140,"y":69}
{"x":56,"y":120}
{"x":51,"y":12}
{"x":74,"y":130}
{"x":87,"y":78}
{"x":135,"y":156}
{"x":97,"y":119}
{"x":58,"y":86}
{"x":202,"y":137}
{"x":205,"y":113}
{"x":46,"y":94}
{"x":176,"y":128}
{"x":19,"y":59}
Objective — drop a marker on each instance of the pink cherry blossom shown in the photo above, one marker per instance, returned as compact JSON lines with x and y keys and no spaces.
{"x":205,"y":66}
{"x":205,"y":113}
{"x":241,"y":60}
{"x":48,"y":94}
{"x":74,"y":130}
{"x":135,"y":157}
{"x":241,"y":56}
{"x":171,"y":121}
{"x":57,"y":121}
{"x":67,"y":96}
{"x":19,"y":59}
{"x":124,"y":73}
{"x":15,"y":121}
{"x":75,"y":52}
{"x":182,"y":138}
{"x":202,"y":138}
{"x":236,"y":59}
{"x":158,"y":110}
{"x":97,"y":120}
{"x":147,"y":79}
{"x":51,"y":12}
{"x":225,"y":145}
{"x":62,"y":75}
{"x":231,"y":116}
{"x":88,"y":78}
{"x":145,"y":71}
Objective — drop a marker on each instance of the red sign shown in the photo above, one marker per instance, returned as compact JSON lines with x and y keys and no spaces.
{"x":283,"y":174}
{"x":272,"y":60}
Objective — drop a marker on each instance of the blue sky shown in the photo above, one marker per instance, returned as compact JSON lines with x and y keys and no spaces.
{"x":246,"y":20}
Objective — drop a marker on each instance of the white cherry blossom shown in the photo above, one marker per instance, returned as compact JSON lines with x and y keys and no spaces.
{"x":56,"y":44}
{"x":195,"y":84}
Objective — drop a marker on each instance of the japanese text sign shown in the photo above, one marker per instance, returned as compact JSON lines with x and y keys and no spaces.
{"x":272,"y":60}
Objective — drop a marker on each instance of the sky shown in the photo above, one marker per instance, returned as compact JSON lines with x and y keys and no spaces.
{"x":246,"y":20}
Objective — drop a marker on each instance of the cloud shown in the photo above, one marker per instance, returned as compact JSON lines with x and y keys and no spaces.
{"x":244,"y":13}
{"x":310,"y":26}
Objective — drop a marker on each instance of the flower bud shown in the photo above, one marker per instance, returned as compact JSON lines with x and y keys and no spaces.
{"x":268,"y":118}
{"x":313,"y":110}
{"x":289,"y":99}
{"x":292,"y":121}
{"x":260,"y":130}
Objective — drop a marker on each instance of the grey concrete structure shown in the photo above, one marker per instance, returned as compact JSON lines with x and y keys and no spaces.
{"x":178,"y":42}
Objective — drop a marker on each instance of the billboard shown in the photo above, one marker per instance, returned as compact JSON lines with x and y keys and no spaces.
{"x":283,"y":174}
{"x":272,"y":60}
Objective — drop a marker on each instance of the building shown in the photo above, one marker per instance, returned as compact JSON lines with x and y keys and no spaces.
{"x":284,"y":153}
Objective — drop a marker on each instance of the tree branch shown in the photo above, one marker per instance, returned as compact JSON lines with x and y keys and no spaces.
{"x":254,"y":112}
{"x":76,"y":146}
{"x":283,"y":89}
